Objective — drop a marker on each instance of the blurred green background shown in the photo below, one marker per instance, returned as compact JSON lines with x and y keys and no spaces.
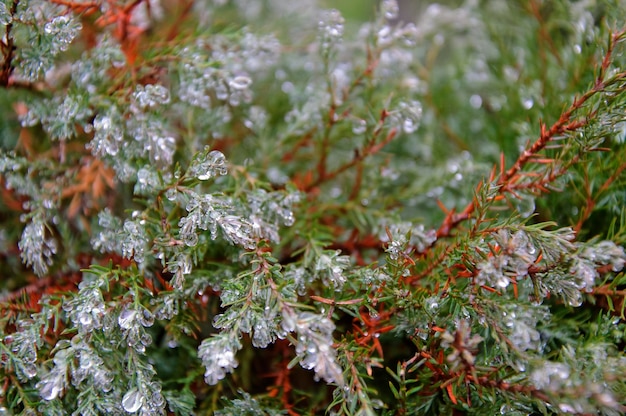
{"x":363,"y":10}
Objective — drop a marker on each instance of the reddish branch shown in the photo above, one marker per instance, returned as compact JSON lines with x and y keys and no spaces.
{"x":359,"y":155}
{"x":509,"y":179}
{"x":78,"y":7}
{"x":7,"y":48}
{"x":592,"y":200}
{"x":282,"y":383}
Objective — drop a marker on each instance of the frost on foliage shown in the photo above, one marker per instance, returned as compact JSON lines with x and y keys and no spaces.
{"x":260,"y":319}
{"x":218,"y":356}
{"x":149,"y":97}
{"x":208,"y":164}
{"x":152,"y":140}
{"x":180,"y":265}
{"x":565,"y":268}
{"x":89,"y":367}
{"x":551,"y":376}
{"x":86,"y":368}
{"x":207,"y":212}
{"x":464,"y":345}
{"x":582,"y":273}
{"x":134,"y":240}
{"x":86,"y":309}
{"x":330,"y":30}
{"x":168,"y":305}
{"x":48,"y":35}
{"x":19,"y":350}
{"x":605,"y":253}
{"x":520,"y":323}
{"x":59,"y":116}
{"x":62,"y":30}
{"x":146,"y":398}
{"x":228,"y":77}
{"x":580,"y":379}
{"x":517,"y":254}
{"x":148,"y":181}
{"x":390,"y":9}
{"x":398,"y":236}
{"x":270,"y":210}
{"x":108,"y":128}
{"x":132,"y":321}
{"x":53,"y":383}
{"x":247,"y":406}
{"x":407,"y":116}
{"x":36,"y":247}
{"x":108,"y":239}
{"x":128,"y":238}
{"x":331,"y":268}
{"x":315,"y":347}
{"x":148,"y":127}
{"x":89,"y":74}
{"x":241,"y":224}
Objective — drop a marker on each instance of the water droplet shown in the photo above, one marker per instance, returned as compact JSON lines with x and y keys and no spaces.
{"x":147,"y":318}
{"x":146,"y":339}
{"x":240,"y":83}
{"x":289,"y":219}
{"x":30,"y":370}
{"x":50,"y":389}
{"x":359,"y":126}
{"x":330,"y":28}
{"x":409,"y":126}
{"x":527,"y":103}
{"x":171,"y":194}
{"x":190,"y":239}
{"x":132,"y":401}
{"x":390,"y":9}
{"x":127,"y":318}
{"x":575,"y":299}
{"x":476,"y":101}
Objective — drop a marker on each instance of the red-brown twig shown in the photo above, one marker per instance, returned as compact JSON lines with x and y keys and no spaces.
{"x":566,"y":123}
{"x":7,"y":48}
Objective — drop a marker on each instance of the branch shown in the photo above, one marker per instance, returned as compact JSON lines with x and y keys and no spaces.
{"x":8,"y":49}
{"x":565,"y":123}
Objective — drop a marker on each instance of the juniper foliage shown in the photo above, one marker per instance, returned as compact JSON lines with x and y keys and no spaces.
{"x":267,"y":208}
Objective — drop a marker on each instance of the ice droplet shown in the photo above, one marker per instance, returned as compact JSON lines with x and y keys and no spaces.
{"x":126,"y":318}
{"x":575,"y":300}
{"x":476,"y":101}
{"x":390,"y":9}
{"x":171,"y":194}
{"x":409,"y":126}
{"x":289,"y":219}
{"x":52,"y":27}
{"x":240,"y":83}
{"x":411,"y":115}
{"x":50,"y":389}
{"x":359,"y":126}
{"x":528,"y":103}
{"x":190,"y":239}
{"x":206,"y":167}
{"x":132,"y":401}
{"x":147,"y":318}
{"x":30,"y":370}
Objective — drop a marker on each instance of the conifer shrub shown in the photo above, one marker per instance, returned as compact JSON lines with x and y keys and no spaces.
{"x":256,"y":207}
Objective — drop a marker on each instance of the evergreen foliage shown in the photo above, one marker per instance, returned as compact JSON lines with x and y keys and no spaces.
{"x":260,"y":207}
